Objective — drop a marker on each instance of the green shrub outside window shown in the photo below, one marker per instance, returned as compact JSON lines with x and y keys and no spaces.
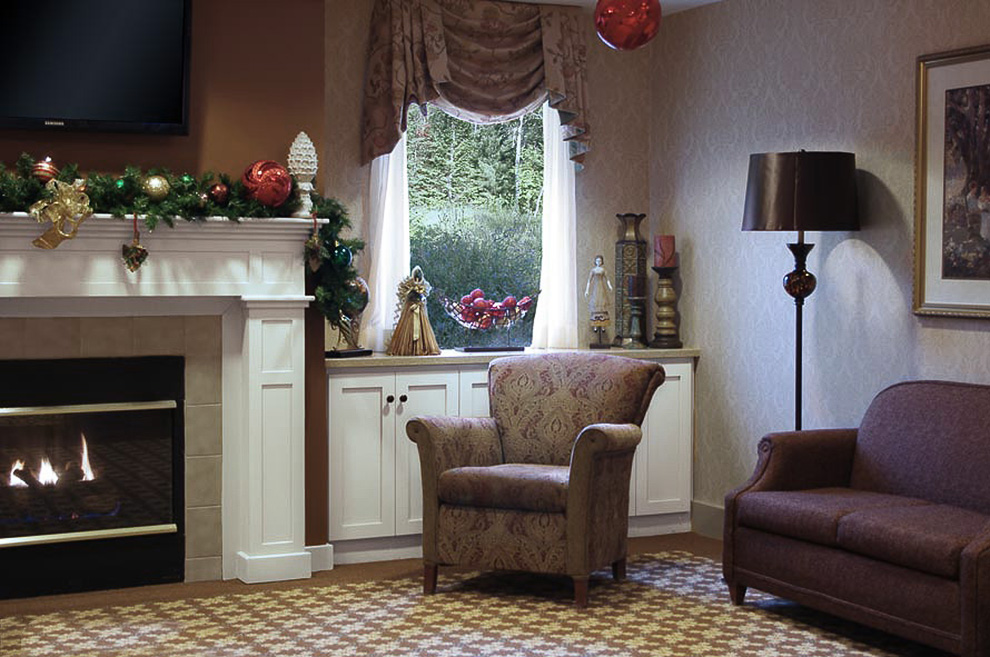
{"x":475,"y":214}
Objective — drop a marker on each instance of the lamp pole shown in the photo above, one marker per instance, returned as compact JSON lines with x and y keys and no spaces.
{"x":799,"y":283}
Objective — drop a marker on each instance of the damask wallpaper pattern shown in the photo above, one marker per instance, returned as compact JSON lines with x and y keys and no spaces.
{"x":748,"y":76}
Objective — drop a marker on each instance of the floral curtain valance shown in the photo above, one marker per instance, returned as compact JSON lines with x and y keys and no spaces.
{"x":480,"y":60}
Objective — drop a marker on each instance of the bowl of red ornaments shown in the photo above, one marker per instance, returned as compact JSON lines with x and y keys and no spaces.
{"x":474,"y":311}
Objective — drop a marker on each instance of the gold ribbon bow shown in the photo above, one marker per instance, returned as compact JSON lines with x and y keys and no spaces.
{"x":66,"y":209}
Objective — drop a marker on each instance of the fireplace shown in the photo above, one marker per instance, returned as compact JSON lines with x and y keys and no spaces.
{"x":91,"y":473}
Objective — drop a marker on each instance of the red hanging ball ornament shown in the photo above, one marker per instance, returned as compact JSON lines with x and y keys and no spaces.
{"x":44,"y":170}
{"x":268,"y":182}
{"x":627,"y":24}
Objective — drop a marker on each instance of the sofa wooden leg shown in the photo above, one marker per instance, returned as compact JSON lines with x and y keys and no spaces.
{"x":619,"y":570}
{"x":429,"y":578}
{"x":580,"y":591}
{"x":737,"y":593}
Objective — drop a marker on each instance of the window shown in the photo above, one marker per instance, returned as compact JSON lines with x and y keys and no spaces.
{"x":475,"y":214}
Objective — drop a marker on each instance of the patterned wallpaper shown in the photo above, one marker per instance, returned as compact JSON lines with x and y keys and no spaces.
{"x":747,"y":76}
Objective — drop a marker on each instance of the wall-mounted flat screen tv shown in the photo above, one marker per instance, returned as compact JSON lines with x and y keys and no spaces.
{"x":104,"y":65}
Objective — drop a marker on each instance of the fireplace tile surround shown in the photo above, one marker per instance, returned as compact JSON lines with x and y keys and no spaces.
{"x":196,"y":338}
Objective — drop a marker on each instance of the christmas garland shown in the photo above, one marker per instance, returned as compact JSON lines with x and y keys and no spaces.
{"x":159,"y":196}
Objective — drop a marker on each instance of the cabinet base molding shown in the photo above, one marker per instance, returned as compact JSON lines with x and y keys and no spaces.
{"x":707,"y":519}
{"x":669,"y":523}
{"x":388,"y":548}
{"x":322,"y":556}
{"x":254,"y":569}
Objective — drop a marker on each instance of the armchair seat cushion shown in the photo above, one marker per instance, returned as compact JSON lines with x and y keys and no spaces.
{"x":519,"y":486}
{"x":811,"y":515}
{"x":928,"y":538}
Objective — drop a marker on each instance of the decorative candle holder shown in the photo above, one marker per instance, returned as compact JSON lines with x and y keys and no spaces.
{"x":667,"y":334}
{"x":630,"y":277}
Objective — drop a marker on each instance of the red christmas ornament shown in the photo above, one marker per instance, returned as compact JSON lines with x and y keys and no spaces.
{"x":268,"y":183}
{"x":44,"y":171}
{"x":627,"y":24}
{"x":218,"y":193}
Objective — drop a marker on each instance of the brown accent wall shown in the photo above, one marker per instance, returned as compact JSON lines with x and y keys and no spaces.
{"x":256,"y":81}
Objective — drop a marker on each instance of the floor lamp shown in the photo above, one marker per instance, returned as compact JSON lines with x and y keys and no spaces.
{"x":798,"y":192}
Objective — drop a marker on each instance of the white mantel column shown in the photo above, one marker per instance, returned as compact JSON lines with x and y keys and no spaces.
{"x":263,"y":440}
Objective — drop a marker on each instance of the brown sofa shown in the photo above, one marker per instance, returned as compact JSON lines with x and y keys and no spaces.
{"x":887,"y":524}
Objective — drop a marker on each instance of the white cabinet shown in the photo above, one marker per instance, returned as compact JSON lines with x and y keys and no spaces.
{"x":662,"y":475}
{"x":375,"y":485}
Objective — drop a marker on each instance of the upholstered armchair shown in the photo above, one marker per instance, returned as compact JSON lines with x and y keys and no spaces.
{"x":543,"y":484}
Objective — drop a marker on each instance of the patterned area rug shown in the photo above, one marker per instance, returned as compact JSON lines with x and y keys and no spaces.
{"x":672,"y":604}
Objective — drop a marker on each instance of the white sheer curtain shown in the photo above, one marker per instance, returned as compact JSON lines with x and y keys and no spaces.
{"x":387,"y":243}
{"x":555,"y":324}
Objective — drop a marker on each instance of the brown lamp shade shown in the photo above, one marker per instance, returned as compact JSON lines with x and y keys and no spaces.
{"x":801,"y":191}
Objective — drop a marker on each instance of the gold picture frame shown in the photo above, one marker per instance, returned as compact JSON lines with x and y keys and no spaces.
{"x":952,"y":185}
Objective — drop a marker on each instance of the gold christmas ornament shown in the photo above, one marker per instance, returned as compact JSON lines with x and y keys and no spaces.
{"x":156,"y":187}
{"x":67,"y":208}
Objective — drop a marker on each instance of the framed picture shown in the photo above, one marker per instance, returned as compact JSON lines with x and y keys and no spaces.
{"x":952,"y":193}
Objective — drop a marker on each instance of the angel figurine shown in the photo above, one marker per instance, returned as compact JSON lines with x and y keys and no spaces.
{"x":413,"y":335}
{"x":597,"y":293}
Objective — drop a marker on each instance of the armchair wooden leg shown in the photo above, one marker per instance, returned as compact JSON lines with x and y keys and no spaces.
{"x":580,"y":591}
{"x":737,"y":592}
{"x":619,"y":570}
{"x":429,"y":578}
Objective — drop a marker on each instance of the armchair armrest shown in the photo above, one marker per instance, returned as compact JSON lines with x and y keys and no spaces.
{"x":974,"y":585}
{"x":445,"y":443}
{"x":598,"y":494}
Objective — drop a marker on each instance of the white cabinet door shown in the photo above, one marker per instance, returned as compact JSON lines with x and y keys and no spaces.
{"x":362,"y":456}
{"x":423,"y":393}
{"x":474,"y":392}
{"x":663,"y":458}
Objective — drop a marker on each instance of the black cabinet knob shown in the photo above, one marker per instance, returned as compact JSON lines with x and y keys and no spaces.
{"x":390,"y":399}
{"x":403,"y":398}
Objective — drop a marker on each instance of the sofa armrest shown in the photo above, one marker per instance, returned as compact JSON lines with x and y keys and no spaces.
{"x":974,"y":585}
{"x":798,"y":460}
{"x":792,"y":460}
{"x":598,"y":495}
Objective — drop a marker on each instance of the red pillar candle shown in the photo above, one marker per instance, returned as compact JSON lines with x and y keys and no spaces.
{"x":664,"y":254}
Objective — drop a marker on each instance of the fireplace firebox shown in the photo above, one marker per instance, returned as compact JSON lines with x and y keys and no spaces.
{"x":91,"y":474}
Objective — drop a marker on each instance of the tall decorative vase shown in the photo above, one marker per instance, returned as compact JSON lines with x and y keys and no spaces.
{"x":630,"y":289}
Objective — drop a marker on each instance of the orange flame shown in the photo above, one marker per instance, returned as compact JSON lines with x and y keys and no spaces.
{"x":47,"y":475}
{"x":88,"y":474}
{"x":14,"y":480}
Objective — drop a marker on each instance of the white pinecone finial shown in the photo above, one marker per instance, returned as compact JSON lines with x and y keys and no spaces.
{"x":302,"y":165}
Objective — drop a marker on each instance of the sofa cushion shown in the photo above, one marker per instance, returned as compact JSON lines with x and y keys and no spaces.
{"x":928,"y":538}
{"x":811,"y":515}
{"x":521,"y":486}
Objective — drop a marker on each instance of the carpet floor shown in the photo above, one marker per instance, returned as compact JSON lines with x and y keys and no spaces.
{"x":672,"y":604}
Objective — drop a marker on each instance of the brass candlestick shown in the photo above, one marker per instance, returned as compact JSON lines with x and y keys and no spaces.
{"x":666,"y":335}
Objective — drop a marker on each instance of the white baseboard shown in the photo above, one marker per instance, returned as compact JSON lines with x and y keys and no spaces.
{"x":322,"y":556}
{"x":669,"y":523}
{"x":253,"y":569}
{"x":707,"y":519}
{"x":378,"y":549}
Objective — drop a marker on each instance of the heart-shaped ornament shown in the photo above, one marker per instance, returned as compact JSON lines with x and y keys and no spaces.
{"x":134,"y":255}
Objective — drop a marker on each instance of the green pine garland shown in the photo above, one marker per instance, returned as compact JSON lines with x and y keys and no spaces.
{"x":122,"y":197}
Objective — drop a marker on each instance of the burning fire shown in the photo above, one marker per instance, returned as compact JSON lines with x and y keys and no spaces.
{"x":46,"y":474}
{"x":15,"y":480}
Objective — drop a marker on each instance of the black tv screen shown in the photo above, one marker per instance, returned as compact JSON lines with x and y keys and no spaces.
{"x":108,"y":65}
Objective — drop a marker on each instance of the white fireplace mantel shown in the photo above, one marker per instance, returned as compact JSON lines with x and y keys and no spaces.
{"x":252,"y":274}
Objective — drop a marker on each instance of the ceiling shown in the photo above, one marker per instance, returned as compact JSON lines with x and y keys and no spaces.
{"x":669,"y":6}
